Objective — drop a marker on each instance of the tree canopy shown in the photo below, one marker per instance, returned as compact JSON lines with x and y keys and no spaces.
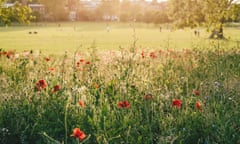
{"x":211,"y":13}
{"x":16,"y":13}
{"x":193,"y":13}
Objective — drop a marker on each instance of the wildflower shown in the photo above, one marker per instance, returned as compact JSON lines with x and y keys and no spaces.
{"x":5,"y":131}
{"x":25,"y":53}
{"x":78,"y":64}
{"x":194,"y":65}
{"x":56,"y":88}
{"x":152,"y":55}
{"x":47,"y":58}
{"x":81,"y":103}
{"x":96,"y":86}
{"x":81,"y":60}
{"x":30,"y":98}
{"x":77,"y":133}
{"x":177,"y":103}
{"x":41,"y":84}
{"x":51,"y":69}
{"x":199,"y":105}
{"x":87,"y":62}
{"x":148,"y":96}
{"x":217,"y":85}
{"x":196,"y":92}
{"x":9,"y":54}
{"x":78,"y":53}
{"x":160,"y":52}
{"x":142,"y":54}
{"x":174,"y":56}
{"x":124,"y":104}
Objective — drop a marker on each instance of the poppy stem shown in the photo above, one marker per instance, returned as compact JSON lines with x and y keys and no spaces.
{"x":65,"y":119}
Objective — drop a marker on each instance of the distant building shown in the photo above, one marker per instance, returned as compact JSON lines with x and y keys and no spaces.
{"x":7,"y":5}
{"x":40,"y":8}
{"x":110,"y":18}
{"x":72,"y":15}
{"x":90,"y":5}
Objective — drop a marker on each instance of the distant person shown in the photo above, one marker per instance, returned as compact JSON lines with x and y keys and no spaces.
{"x":196,"y":33}
{"x":108,"y":28}
{"x":160,"y":29}
{"x":220,"y":32}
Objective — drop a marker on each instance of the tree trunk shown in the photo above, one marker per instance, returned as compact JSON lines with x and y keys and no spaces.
{"x":217,"y":33}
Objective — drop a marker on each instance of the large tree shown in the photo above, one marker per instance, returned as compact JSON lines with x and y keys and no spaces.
{"x":212,"y":13}
{"x":16,"y":13}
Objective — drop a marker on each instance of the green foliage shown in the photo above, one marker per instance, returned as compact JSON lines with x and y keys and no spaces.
{"x":186,"y":12}
{"x":196,"y":12}
{"x":235,"y":10}
{"x":16,"y":13}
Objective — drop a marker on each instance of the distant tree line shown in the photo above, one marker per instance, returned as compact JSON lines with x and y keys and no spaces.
{"x":58,"y":10}
{"x":181,"y":12}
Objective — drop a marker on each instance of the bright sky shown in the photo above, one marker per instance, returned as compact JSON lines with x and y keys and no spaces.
{"x":158,"y":0}
{"x":145,"y":0}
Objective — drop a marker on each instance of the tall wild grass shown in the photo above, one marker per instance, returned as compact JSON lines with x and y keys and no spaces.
{"x":137,"y":96}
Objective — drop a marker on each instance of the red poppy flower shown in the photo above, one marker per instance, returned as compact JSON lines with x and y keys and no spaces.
{"x":124,"y":104}
{"x":78,"y":64}
{"x":87,"y":62}
{"x":152,"y":55}
{"x":56,"y":88}
{"x":142,"y":54}
{"x":10,"y":54}
{"x":196,"y":92}
{"x":41,"y":84}
{"x":96,"y":86}
{"x":81,"y":103}
{"x":81,"y":60}
{"x":199,"y":105}
{"x":177,"y":103}
{"x":47,"y":59}
{"x":77,"y":133}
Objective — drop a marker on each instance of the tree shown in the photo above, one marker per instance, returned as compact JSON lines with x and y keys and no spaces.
{"x":16,"y":13}
{"x":130,"y":11}
{"x":72,"y":4}
{"x":55,"y":9}
{"x":108,"y":8}
{"x":212,"y":13}
{"x":235,"y":10}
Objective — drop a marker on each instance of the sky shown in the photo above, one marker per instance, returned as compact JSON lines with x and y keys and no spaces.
{"x":158,"y":0}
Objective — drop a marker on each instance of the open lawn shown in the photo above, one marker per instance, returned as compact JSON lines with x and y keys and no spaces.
{"x":56,"y":38}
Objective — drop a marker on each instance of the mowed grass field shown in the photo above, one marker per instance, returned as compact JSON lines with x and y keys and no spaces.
{"x":56,"y":38}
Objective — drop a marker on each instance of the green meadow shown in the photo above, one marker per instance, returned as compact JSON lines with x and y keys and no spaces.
{"x":133,"y":84}
{"x":56,"y":38}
